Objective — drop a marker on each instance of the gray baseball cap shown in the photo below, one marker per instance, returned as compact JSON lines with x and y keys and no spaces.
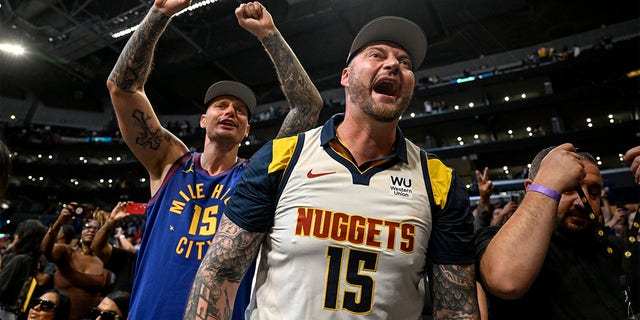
{"x":231,"y":88}
{"x":398,"y":30}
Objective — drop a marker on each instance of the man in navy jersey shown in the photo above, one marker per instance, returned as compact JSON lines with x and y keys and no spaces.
{"x":190,"y":189}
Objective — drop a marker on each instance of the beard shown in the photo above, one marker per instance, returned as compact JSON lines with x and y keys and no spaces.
{"x":379,"y":111}
{"x":572,"y":224}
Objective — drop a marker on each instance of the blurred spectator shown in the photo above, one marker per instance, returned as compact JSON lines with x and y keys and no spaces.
{"x":607,"y":41}
{"x":529,"y":61}
{"x":18,"y":277}
{"x":80,"y":273}
{"x":487,"y":213}
{"x":619,"y":223}
{"x":51,"y":305}
{"x":185,"y":128}
{"x":485,"y":207}
{"x":120,"y":260}
{"x":630,"y":220}
{"x":435,"y":79}
{"x":543,"y":55}
{"x":428,"y":107}
{"x":115,"y":306}
{"x":564,"y":53}
{"x":502,"y":214}
{"x":576,"y":50}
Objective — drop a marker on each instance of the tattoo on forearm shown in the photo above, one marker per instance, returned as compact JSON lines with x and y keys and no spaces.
{"x":147,"y":137}
{"x":134,"y":64}
{"x":296,"y":85}
{"x":221,"y":271}
{"x":454,"y":292}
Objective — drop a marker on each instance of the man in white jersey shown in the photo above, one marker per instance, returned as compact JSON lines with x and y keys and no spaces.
{"x":348,"y":217}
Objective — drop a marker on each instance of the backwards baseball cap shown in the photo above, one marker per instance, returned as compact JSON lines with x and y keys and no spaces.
{"x":398,"y":30}
{"x":231,"y":88}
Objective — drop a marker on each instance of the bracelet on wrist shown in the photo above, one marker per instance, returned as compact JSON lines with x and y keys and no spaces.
{"x":546,"y":191}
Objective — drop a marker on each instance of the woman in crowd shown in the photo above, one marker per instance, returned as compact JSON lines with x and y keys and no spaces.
{"x":52,"y":305}
{"x":80,"y":273}
{"x":21,"y":269}
{"x":114,"y":306}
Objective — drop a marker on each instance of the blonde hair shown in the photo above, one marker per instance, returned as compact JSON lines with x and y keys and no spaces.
{"x":101,"y":216}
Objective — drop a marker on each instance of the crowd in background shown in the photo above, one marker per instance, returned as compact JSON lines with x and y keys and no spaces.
{"x":617,"y":218}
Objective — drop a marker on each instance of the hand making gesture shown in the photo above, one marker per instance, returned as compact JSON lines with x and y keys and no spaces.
{"x":255,"y":18}
{"x":485,"y":188}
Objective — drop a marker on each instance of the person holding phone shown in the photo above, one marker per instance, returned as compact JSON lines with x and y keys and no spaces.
{"x":80,"y":273}
{"x":121,"y":261}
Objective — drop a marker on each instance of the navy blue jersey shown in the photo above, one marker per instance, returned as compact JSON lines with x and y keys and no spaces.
{"x":182,"y":218}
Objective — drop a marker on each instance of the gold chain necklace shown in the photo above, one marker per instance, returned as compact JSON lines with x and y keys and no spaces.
{"x":86,"y":253}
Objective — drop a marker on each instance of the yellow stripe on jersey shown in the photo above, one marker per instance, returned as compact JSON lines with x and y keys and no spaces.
{"x":440,"y":176}
{"x":281,"y":152}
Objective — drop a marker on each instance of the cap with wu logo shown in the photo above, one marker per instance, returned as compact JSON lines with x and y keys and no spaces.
{"x":401,"y":31}
{"x":231,"y":88}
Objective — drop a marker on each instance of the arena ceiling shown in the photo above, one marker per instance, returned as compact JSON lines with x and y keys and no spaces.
{"x":71,"y":49}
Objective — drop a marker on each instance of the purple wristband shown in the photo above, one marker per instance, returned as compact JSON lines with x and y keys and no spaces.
{"x":546,"y":191}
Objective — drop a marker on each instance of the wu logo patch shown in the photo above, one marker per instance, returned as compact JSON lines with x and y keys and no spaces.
{"x":401,"y":187}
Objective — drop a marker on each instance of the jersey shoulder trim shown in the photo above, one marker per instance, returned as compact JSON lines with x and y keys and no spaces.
{"x":281,"y":152}
{"x":440,"y":176}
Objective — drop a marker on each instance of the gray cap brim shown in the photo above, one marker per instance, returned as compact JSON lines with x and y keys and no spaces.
{"x":231,"y":88}
{"x":398,"y":30}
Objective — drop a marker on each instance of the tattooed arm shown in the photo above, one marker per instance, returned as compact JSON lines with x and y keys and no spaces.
{"x":155,"y":147}
{"x":453,"y":288}
{"x":302,"y":95}
{"x":223,"y":267}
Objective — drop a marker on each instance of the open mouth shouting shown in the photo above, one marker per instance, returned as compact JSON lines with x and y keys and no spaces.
{"x":387,"y":87}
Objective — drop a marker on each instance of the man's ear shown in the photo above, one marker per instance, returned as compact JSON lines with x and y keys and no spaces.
{"x":527,"y":183}
{"x":203,"y":121}
{"x":344,"y":78}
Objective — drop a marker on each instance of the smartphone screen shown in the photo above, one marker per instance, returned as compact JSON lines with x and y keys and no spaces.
{"x":82,"y":211}
{"x":136,"y":208}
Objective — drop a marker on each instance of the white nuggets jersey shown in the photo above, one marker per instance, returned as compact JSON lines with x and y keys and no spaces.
{"x":342,"y":244}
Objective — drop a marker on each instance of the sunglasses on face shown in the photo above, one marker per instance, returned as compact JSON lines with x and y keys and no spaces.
{"x":88,"y":226}
{"x":94,"y":313}
{"x":45,"y":305}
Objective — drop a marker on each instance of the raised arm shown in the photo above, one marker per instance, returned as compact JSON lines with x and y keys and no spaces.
{"x":453,"y":288}
{"x":52,"y":251}
{"x":304,"y":99}
{"x":506,"y":269}
{"x":223,"y":267}
{"x":100,"y":244}
{"x":485,"y":208}
{"x":154,"y":146}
